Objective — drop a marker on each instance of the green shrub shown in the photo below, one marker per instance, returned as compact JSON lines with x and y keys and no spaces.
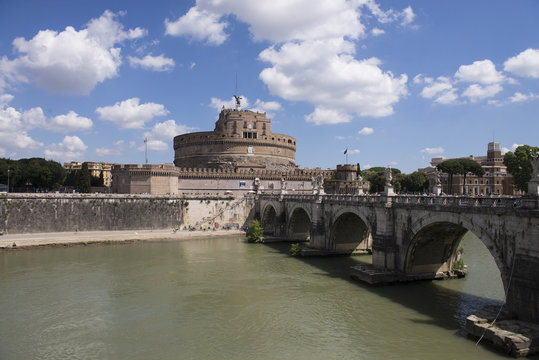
{"x":255,"y":232}
{"x":458,"y":265}
{"x":295,"y":249}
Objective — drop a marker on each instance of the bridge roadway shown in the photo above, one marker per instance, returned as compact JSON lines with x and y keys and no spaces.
{"x":417,"y":237}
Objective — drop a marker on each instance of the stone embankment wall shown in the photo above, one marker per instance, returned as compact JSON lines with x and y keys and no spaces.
{"x":33,"y":213}
{"x":206,"y":212}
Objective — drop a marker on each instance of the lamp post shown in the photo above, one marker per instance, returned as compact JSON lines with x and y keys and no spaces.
{"x":8,"y":171}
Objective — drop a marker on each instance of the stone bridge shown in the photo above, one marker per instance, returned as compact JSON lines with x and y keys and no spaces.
{"x":417,"y":237}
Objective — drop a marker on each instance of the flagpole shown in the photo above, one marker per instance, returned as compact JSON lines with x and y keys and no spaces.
{"x":146,"y":149}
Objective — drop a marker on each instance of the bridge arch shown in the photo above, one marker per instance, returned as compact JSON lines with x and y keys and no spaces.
{"x":299,"y":224}
{"x":435,"y":240}
{"x":269,"y":220}
{"x":350,"y":232}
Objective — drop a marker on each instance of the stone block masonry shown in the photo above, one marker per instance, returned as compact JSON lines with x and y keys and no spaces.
{"x":33,"y":213}
{"x":42,"y":213}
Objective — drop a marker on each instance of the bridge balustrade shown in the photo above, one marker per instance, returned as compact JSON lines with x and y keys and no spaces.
{"x":507,"y":202}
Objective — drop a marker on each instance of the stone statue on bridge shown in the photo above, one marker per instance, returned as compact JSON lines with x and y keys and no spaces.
{"x":437,"y":187}
{"x":389,"y":176}
{"x":318,"y":184}
{"x":388,"y":190}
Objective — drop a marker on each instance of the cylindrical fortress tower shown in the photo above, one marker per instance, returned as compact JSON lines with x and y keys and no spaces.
{"x":242,"y":139}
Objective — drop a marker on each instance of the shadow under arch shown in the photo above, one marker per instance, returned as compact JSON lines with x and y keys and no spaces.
{"x":434,"y":244}
{"x":269,"y":220}
{"x":299,"y":225}
{"x":350,"y":233}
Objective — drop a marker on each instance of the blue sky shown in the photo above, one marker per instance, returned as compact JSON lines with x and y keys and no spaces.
{"x":394,"y":82}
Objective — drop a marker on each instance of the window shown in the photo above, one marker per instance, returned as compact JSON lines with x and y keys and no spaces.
{"x":250,"y":135}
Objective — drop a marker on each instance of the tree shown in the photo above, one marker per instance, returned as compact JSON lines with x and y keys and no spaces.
{"x":35,"y":172}
{"x":415,"y":182}
{"x":518,"y":164}
{"x":84,"y":181}
{"x":462,"y":166}
{"x":377,"y":178}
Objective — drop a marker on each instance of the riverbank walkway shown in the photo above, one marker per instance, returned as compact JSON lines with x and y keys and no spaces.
{"x":24,"y":241}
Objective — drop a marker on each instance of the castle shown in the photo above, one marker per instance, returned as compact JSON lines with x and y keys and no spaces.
{"x":240,"y":155}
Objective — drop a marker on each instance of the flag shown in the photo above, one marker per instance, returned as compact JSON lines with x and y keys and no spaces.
{"x":145,"y":139}
{"x":345,"y":151}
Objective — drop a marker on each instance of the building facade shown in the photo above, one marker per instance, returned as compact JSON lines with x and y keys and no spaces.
{"x":95,"y":168}
{"x":145,"y":179}
{"x":495,"y":181}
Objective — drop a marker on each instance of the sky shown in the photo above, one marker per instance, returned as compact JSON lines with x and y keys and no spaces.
{"x":392,"y":82}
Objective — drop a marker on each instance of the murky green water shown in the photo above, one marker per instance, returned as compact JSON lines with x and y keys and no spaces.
{"x":226,"y":299}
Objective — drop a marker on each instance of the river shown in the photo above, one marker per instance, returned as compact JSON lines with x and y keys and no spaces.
{"x":221,"y":298}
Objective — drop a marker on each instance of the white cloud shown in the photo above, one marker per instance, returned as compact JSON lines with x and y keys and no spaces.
{"x":312,"y":56}
{"x":340,"y":138}
{"x":108,"y":32}
{"x":405,"y":17}
{"x":34,"y":118}
{"x":219,"y":104}
{"x":117,"y":149}
{"x":200,"y":25}
{"x":70,"y":122}
{"x":129,"y":114}
{"x":441,"y":89}
{"x":476,"y":92}
{"x":5,"y":99}
{"x":524,"y":64}
{"x":277,"y":21}
{"x":366,"y":131}
{"x":325,"y":74}
{"x":167,"y":130}
{"x":71,"y":148}
{"x":70,"y":61}
{"x":265,"y":106}
{"x":519,"y":97}
{"x":14,"y":127}
{"x":192,"y":65}
{"x":154,"y":145}
{"x":322,"y":116}
{"x":376,"y":31}
{"x":420,"y":79}
{"x":154,"y":63}
{"x":483,"y":72}
{"x":431,"y":151}
{"x":367,"y":167}
{"x":353,"y":151}
{"x":515,"y":146}
{"x":449,"y":97}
